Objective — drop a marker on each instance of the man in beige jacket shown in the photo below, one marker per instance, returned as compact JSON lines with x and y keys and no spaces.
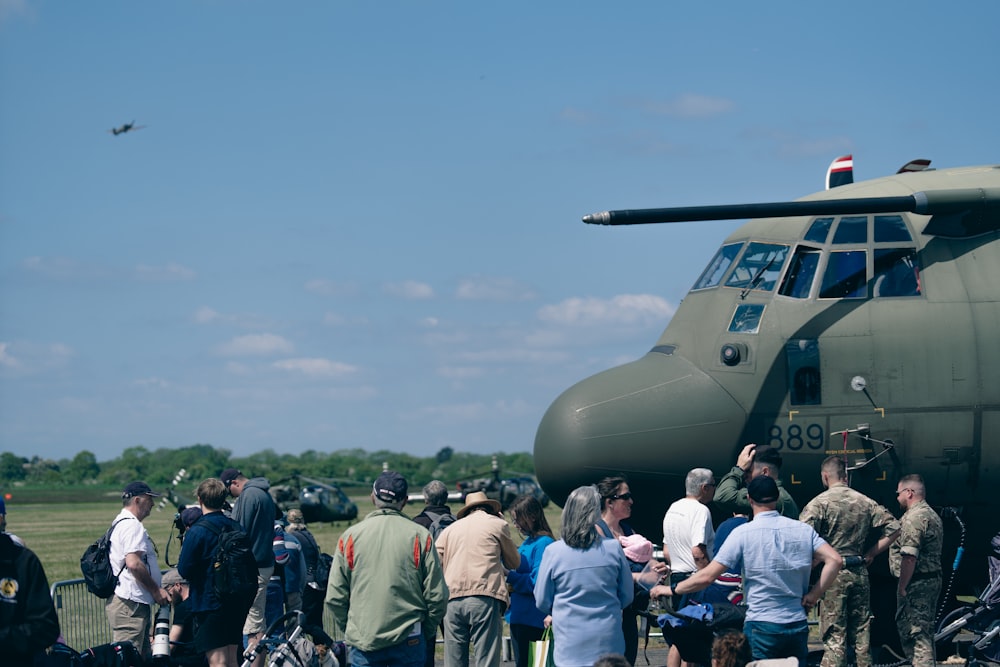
{"x":476,"y":552}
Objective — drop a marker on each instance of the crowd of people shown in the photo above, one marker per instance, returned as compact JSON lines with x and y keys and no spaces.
{"x":396,"y":583}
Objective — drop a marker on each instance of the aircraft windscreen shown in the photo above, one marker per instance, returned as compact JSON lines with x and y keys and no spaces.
{"x":845,"y":276}
{"x":759,"y":267}
{"x":712,"y":275}
{"x":799,"y":279}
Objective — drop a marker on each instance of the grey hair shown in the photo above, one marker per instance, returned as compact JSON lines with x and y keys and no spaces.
{"x":694,"y":480}
{"x":382,"y":504}
{"x":435,"y":493}
{"x":579,"y":517}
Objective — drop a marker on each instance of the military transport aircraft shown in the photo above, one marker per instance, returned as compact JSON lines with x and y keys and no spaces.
{"x":127,"y":127}
{"x":863,"y":320}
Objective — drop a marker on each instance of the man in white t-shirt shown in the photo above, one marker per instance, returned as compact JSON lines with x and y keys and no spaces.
{"x":133,"y":555}
{"x":688,"y":524}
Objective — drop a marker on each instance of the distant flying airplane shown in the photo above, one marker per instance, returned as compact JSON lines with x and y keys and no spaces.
{"x":127,"y":127}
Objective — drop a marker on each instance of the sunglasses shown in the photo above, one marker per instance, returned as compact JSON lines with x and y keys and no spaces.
{"x":622,"y":496}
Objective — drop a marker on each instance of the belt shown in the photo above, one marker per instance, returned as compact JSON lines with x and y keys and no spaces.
{"x":917,"y":576}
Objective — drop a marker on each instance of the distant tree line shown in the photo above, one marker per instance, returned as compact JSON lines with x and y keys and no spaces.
{"x":159,"y":467}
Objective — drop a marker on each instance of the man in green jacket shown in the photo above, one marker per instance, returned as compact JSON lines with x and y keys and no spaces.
{"x":753,"y":461}
{"x":386,"y":591}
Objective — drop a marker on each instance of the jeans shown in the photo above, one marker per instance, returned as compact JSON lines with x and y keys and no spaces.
{"x":778,"y":640}
{"x":409,"y":653}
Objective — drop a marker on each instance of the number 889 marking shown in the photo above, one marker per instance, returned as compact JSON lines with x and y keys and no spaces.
{"x":795,"y":436}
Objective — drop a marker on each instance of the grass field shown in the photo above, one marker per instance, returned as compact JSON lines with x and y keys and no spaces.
{"x":60,"y":525}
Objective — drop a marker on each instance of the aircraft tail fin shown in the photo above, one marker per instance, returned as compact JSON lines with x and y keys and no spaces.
{"x":914,"y":165}
{"x":841,"y":172}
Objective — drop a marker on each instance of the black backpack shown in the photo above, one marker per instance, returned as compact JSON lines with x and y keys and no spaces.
{"x":439,"y":522}
{"x":234,"y":568}
{"x":96,"y":566}
{"x":322,"y":573}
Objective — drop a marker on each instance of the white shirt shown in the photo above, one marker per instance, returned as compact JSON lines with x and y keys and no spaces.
{"x":130,"y":536}
{"x":687,"y":523}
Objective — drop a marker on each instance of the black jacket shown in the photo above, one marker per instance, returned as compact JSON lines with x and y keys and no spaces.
{"x":28,"y":620}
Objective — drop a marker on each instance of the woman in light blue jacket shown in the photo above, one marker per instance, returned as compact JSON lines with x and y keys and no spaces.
{"x":584,"y":582}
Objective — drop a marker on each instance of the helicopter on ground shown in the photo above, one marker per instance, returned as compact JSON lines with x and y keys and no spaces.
{"x":859,"y":321}
{"x":503,"y":489}
{"x":321,"y":501}
{"x":127,"y":127}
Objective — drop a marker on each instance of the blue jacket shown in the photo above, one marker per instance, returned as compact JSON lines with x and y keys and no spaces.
{"x":585,"y":590}
{"x":522,"y":580}
{"x":295,"y":568}
{"x":195,"y":562}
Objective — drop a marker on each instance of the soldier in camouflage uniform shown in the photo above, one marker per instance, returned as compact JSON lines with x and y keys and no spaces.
{"x":845,"y":518}
{"x":916,"y":559}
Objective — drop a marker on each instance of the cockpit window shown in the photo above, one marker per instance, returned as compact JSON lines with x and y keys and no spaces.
{"x":896,"y":272}
{"x":851,"y":229}
{"x":712,"y":275}
{"x":759,"y":267}
{"x":819,"y":230}
{"x":890,"y":229}
{"x":845,"y":275}
{"x":799,"y":279}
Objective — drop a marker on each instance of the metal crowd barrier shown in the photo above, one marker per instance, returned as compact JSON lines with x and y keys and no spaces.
{"x":81,"y":615}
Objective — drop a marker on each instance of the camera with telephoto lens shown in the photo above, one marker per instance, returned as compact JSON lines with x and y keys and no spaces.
{"x":161,"y":635}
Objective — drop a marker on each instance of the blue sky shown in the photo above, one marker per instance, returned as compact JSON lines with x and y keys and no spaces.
{"x":357,"y":224}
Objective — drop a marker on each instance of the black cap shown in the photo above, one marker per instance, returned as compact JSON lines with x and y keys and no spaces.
{"x":763,"y":490}
{"x":767,"y":456}
{"x":189,"y":515}
{"x":138,"y":489}
{"x":390,"y":487}
{"x":228,"y":475}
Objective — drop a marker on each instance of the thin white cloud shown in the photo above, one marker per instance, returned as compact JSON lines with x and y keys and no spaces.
{"x":6,"y":359}
{"x":478,"y":411}
{"x":325,"y":287}
{"x":460,"y":372}
{"x":493,"y":289}
{"x":205,"y":315}
{"x":256,"y":345}
{"x":578,"y":116}
{"x":331,"y":319}
{"x":628,"y":309}
{"x":31,"y":358}
{"x":316,"y":367}
{"x":63,"y":268}
{"x":11,"y":8}
{"x":167,"y":273}
{"x":688,"y":105}
{"x":152,"y":383}
{"x":410,"y":290}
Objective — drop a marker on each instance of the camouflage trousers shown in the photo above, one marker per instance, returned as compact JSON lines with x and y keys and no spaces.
{"x":845,"y":619}
{"x":915,"y":620}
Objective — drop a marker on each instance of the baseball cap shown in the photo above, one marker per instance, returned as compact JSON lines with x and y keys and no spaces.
{"x":228,"y":475}
{"x":189,"y":515}
{"x":390,"y":487}
{"x":763,"y":490}
{"x":138,"y":489}
{"x":171,"y":577}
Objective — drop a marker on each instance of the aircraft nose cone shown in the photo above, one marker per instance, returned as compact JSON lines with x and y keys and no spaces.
{"x":653,"y":419}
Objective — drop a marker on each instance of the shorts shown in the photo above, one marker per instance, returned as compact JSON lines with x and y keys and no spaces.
{"x":255,"y":619}
{"x":217,"y":628}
